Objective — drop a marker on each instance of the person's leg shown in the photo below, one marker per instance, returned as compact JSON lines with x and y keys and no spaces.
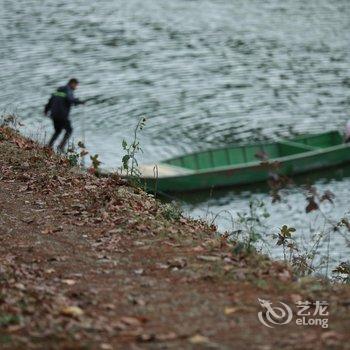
{"x":58,"y":128}
{"x":69,"y":130}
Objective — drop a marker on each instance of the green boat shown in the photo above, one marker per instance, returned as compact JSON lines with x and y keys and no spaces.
{"x":245,"y":164}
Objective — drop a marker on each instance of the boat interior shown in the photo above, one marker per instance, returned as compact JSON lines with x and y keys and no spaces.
{"x":242,"y":154}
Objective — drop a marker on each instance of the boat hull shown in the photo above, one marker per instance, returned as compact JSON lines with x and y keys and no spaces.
{"x":252,"y":172}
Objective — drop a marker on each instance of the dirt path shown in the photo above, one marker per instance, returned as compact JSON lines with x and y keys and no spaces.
{"x":89,"y":263}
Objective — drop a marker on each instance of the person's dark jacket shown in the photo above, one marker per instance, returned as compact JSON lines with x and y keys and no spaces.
{"x":60,"y":103}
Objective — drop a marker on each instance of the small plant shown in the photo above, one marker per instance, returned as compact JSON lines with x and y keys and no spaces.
{"x":8,"y":320}
{"x":343,"y":272}
{"x":75,"y":155}
{"x":129,"y":161}
{"x":10,"y":120}
{"x":285,"y":240}
{"x":72,"y":156}
{"x":95,"y":168}
{"x":308,"y":260}
{"x":248,"y":228}
{"x":172,"y":211}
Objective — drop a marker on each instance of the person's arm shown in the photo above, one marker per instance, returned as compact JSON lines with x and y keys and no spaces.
{"x":48,"y":106}
{"x":73,"y":100}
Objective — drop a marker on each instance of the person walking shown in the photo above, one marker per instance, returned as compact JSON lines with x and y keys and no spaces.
{"x":58,"y":107}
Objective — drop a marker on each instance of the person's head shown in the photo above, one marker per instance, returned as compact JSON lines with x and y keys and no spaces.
{"x":73,"y":83}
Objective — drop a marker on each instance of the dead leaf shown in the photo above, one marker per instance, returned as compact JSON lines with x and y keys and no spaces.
{"x":228,"y":268}
{"x":47,"y":231}
{"x":296,"y":297}
{"x":28,"y":220}
{"x":312,"y":205}
{"x":137,"y":301}
{"x":133,"y":321}
{"x":198,"y":249}
{"x":146,"y":337}
{"x":166,"y":336}
{"x":212,"y":243}
{"x":179,"y":263}
{"x":285,"y":276}
{"x":161,"y":266}
{"x":171,"y":244}
{"x":14,"y":328}
{"x":72,"y":311}
{"x":328,"y":195}
{"x":230,"y":310}
{"x":20,"y":286}
{"x":198,"y":339}
{"x":209,"y":258}
{"x":69,"y":282}
{"x":109,"y":306}
{"x":331,"y":335}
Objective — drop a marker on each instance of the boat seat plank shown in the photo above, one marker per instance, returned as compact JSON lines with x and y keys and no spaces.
{"x":164,"y":170}
{"x":297,"y":144}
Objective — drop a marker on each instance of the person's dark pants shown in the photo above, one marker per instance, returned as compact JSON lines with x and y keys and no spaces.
{"x":59,"y":125}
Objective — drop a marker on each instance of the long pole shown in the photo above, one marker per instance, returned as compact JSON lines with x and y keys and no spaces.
{"x":83,"y":134}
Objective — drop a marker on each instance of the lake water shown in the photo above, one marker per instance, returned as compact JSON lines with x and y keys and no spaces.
{"x":204,"y":72}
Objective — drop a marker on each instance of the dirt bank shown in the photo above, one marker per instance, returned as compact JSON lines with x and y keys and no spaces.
{"x":89,"y":263}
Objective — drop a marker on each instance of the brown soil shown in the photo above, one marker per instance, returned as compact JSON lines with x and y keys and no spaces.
{"x":91,"y":263}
